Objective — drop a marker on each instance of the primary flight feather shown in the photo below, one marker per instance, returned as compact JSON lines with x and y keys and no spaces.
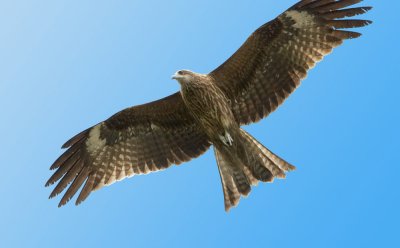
{"x":210,"y":108}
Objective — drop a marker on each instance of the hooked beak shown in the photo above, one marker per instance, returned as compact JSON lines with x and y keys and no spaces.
{"x":175,"y":76}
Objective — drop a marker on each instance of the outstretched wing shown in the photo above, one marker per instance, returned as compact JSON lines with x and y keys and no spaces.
{"x":137,"y":140}
{"x":276,"y":57}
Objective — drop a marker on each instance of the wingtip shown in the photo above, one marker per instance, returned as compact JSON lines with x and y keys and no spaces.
{"x":47,"y":184}
{"x":55,"y":165}
{"x":68,"y":144}
{"x":79,"y":200}
{"x":64,"y":146}
{"x":75,"y":139}
{"x":367,"y":8}
{"x":64,"y":201}
{"x":53,"y":194}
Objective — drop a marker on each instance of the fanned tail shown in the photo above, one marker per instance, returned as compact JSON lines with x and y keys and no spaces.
{"x":244,"y":165}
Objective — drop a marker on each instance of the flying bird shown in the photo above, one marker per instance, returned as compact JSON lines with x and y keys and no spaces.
{"x":210,"y":109}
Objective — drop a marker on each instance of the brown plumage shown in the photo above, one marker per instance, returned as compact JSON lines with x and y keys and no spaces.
{"x":210,"y":109}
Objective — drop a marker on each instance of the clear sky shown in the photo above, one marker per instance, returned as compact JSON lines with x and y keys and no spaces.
{"x":66,"y":65}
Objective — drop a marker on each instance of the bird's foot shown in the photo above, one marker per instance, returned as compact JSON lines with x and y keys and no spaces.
{"x":226,"y":139}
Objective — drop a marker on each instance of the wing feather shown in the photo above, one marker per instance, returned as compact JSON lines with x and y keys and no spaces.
{"x":87,"y":189}
{"x":66,"y":166}
{"x":334,"y":5}
{"x":345,"y":13}
{"x":76,"y":184}
{"x":276,"y":57}
{"x":137,"y":140}
{"x":318,"y":3}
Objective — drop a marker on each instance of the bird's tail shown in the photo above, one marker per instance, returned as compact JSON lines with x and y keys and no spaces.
{"x":245,"y":165}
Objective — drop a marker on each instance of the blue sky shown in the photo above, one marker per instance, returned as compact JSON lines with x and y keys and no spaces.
{"x":66,"y":65}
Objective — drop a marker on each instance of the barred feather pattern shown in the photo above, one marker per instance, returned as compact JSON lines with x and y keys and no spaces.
{"x":136,"y":141}
{"x":239,"y":170}
{"x":230,"y":189}
{"x":253,"y":82}
{"x":276,"y":57}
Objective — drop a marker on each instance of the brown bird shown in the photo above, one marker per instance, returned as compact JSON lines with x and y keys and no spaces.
{"x":210,"y":108}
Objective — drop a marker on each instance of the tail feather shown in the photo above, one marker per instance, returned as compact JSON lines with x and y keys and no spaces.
{"x":266,"y":153}
{"x":241,"y":181}
{"x":231,"y":192}
{"x":249,"y":163}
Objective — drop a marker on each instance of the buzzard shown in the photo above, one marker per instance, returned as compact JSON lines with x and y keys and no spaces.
{"x":210,"y":108}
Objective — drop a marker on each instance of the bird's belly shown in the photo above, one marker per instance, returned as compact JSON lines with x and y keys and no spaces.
{"x":212,"y":111}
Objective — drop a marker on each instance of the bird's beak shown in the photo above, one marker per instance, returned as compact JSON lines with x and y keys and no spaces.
{"x":175,"y":76}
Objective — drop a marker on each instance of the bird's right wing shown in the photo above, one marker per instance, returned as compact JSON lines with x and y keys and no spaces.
{"x":277,"y":56}
{"x":137,"y":140}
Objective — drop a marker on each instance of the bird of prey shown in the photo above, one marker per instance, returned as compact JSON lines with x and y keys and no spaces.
{"x":210,"y":109}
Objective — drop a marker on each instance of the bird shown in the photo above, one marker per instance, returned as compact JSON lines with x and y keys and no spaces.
{"x":210,"y":110}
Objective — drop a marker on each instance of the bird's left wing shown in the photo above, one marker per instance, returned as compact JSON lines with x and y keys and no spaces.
{"x":276,"y":57}
{"x":137,"y":140}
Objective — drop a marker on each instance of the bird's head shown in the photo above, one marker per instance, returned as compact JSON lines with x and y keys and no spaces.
{"x":184,"y":76}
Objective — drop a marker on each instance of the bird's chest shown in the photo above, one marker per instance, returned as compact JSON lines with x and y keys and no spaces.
{"x":209,"y":106}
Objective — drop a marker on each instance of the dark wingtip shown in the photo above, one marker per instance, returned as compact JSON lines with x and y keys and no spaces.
{"x":63,"y":201}
{"x":81,"y":198}
{"x":75,"y":139}
{"x":48,"y":183}
{"x":52,"y":195}
{"x":64,"y":146}
{"x":67,"y":144}
{"x":78,"y":202}
{"x":367,"y":8}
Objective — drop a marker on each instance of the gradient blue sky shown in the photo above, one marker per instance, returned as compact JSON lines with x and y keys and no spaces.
{"x":66,"y":65}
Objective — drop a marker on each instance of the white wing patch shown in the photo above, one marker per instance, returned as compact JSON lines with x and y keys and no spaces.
{"x":94,"y":143}
{"x":301,"y":18}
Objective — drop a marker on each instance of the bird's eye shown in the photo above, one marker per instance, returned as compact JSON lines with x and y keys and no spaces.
{"x":180,"y":72}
